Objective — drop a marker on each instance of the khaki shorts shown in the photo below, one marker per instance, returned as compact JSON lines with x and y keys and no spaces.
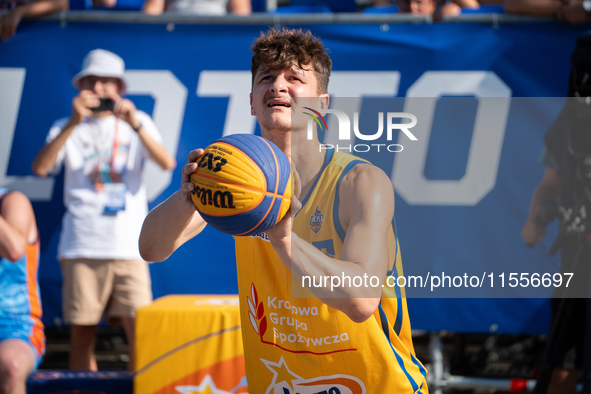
{"x":93,"y":286}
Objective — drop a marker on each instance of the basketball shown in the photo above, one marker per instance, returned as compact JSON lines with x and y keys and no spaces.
{"x":242,"y":184}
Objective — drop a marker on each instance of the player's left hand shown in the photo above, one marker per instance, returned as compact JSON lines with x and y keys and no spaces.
{"x":187,"y":185}
{"x":125,"y":110}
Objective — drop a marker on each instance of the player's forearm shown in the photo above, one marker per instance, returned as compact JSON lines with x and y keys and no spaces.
{"x":13,"y":244}
{"x":533,"y":7}
{"x":153,"y":7}
{"x":240,"y":7}
{"x":43,"y":7}
{"x":467,"y":3}
{"x":545,"y":192}
{"x":47,"y":156}
{"x":309,"y":265}
{"x":168,"y":226}
{"x":157,"y":152}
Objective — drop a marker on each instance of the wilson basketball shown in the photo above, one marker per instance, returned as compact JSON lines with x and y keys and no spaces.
{"x":242,"y":184}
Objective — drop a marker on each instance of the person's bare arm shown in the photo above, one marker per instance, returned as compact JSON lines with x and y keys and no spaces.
{"x":17,"y":226}
{"x":533,"y":7}
{"x":10,"y":21}
{"x":467,"y":3}
{"x":547,"y":191}
{"x":153,"y":7}
{"x":157,"y":151}
{"x":574,"y":13}
{"x":240,"y":7}
{"x":173,"y":222}
{"x":125,"y":109}
{"x":47,"y":156}
{"x":366,"y":210}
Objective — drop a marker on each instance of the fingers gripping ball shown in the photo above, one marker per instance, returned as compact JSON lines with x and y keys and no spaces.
{"x":242,"y":184}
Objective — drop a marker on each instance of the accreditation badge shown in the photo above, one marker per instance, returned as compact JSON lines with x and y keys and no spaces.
{"x":114,"y":194}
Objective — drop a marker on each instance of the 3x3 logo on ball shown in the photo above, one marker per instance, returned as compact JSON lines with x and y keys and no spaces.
{"x":214,"y":163}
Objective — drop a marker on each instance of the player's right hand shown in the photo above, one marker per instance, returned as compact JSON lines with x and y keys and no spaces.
{"x":187,"y":185}
{"x":82,"y":104}
{"x":531,"y":233}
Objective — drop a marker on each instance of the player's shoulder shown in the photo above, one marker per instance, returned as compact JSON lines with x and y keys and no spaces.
{"x":356,"y":168}
{"x":344,"y":159}
{"x":363,"y":180}
{"x":367,"y":176}
{"x":15,"y":200}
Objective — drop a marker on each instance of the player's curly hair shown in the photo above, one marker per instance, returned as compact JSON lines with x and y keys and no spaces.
{"x":281,"y":49}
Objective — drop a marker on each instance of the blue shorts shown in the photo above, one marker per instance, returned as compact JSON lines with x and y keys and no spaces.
{"x":30,"y":333}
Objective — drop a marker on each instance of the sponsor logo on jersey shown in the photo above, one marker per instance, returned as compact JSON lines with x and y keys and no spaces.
{"x":316,"y":221}
{"x":289,"y":333}
{"x":284,"y":381}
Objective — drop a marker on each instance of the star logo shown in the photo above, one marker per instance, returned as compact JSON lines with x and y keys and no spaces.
{"x":287,"y":382}
{"x":281,"y":373}
{"x":207,"y":386}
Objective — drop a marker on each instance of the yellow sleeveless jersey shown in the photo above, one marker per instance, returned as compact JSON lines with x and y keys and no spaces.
{"x":301,"y":345}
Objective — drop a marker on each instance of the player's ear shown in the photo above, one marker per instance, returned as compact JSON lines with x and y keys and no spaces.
{"x":251,"y":107}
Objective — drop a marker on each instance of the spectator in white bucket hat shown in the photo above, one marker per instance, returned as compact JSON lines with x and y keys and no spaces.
{"x":103,"y":144}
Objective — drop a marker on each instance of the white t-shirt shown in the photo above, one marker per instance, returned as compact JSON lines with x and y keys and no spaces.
{"x":87,"y":230}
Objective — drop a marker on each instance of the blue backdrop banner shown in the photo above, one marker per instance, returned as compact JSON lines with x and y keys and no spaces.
{"x":195,"y":82}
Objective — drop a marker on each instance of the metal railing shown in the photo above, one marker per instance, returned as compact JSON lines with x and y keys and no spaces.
{"x":281,"y":19}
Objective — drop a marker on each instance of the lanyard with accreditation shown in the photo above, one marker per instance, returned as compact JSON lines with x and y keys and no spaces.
{"x":109,"y":184}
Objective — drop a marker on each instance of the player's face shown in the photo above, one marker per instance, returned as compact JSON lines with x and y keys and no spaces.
{"x":272,"y":91}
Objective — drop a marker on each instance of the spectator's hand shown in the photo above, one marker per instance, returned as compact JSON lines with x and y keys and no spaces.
{"x":531,"y":233}
{"x":125,"y":110}
{"x":573,"y":12}
{"x":82,"y":104}
{"x":9,"y":23}
{"x":187,"y":185}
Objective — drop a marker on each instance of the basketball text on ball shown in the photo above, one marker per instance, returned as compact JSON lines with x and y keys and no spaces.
{"x":218,"y":199}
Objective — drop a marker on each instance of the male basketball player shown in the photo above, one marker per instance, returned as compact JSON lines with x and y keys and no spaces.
{"x":357,"y":343}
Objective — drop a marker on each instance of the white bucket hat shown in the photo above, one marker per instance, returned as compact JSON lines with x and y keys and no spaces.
{"x":101,"y":63}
